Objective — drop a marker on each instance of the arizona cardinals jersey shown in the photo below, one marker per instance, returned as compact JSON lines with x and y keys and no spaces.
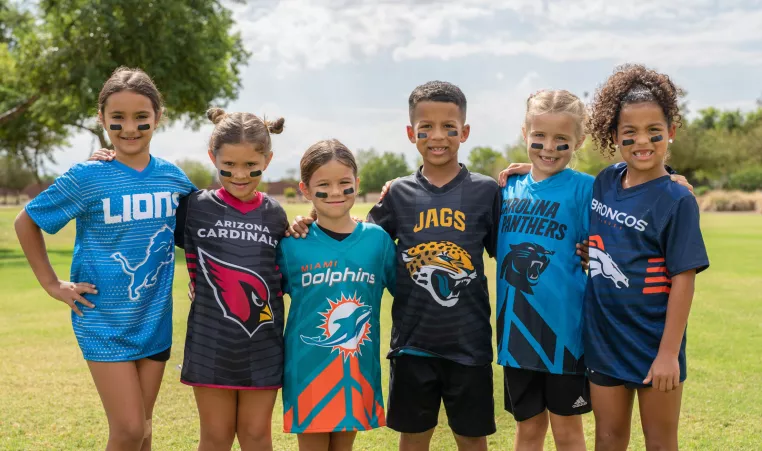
{"x":235,"y":325}
{"x":640,"y":237}
{"x":124,"y":246}
{"x":540,"y":282}
{"x":333,"y":368}
{"x":441,"y":307}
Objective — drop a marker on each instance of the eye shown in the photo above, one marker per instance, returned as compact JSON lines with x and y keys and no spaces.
{"x":445,"y":257}
{"x":539,"y":135}
{"x":561,"y":138}
{"x":252,"y":164}
{"x":143,"y":116}
{"x":116,"y":117}
{"x":424,"y":126}
{"x":228,"y":164}
{"x":449,"y":126}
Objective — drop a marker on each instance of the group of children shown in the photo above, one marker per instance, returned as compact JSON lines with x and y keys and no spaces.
{"x":569,"y":342}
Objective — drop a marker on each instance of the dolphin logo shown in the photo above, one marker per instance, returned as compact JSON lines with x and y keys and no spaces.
{"x":602,"y":264}
{"x":145,"y":274}
{"x":346,"y":326}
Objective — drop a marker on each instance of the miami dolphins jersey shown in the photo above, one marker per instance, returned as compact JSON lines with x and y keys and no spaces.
{"x":124,"y":246}
{"x":333,"y":368}
{"x":540,"y":282}
{"x":441,"y":307}
{"x":640,"y":237}
{"x":235,"y":325}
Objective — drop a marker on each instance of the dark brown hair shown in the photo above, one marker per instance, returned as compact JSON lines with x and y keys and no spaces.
{"x":630,"y":84}
{"x":242,"y":128}
{"x":437,"y":91}
{"x":134,"y":80}
{"x":321,"y":153}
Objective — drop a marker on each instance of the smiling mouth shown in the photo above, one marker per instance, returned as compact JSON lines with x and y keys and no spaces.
{"x":438,"y":149}
{"x":643,"y":153}
{"x":134,"y":138}
{"x":549,"y":159}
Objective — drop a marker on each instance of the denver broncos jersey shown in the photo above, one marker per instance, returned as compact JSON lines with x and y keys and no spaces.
{"x":235,"y":325}
{"x":124,"y":246}
{"x":441,"y":307}
{"x":540,"y":282}
{"x":639,"y":238}
{"x":333,"y":368}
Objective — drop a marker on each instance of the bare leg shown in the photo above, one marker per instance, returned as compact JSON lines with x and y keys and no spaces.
{"x":217,"y":411}
{"x":660,"y":416}
{"x":255,"y":413}
{"x":150,"y":373}
{"x":118,"y":385}
{"x":416,"y":442}
{"x":612,"y":407}
{"x":530,"y":434}
{"x":567,"y":432}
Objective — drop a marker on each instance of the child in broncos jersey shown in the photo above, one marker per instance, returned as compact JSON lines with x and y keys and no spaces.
{"x":234,"y":341}
{"x":336,"y":277}
{"x":125,"y":213}
{"x":645,"y":251}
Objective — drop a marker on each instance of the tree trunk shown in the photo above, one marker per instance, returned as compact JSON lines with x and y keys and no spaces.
{"x":18,"y":109}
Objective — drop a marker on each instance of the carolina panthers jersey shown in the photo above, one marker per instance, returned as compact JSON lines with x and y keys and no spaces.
{"x":540,"y":282}
{"x":640,"y":237}
{"x":333,"y":368}
{"x":441,"y":306}
{"x":124,"y":246}
{"x":235,"y":325}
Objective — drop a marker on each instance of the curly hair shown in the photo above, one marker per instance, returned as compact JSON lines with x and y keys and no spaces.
{"x":630,"y":84}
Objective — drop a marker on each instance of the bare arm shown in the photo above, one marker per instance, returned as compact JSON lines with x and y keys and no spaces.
{"x":33,"y":244}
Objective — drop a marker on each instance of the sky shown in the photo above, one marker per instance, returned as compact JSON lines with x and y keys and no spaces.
{"x":344,"y":68}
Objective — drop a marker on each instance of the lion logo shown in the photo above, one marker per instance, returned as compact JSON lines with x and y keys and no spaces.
{"x":159,"y":252}
{"x":524,"y":264}
{"x":442,"y":268}
{"x":602,"y":264}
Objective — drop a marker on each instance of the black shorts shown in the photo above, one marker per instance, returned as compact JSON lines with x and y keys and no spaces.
{"x":419,"y":385}
{"x":162,"y":356}
{"x":609,"y":381}
{"x":528,"y":393}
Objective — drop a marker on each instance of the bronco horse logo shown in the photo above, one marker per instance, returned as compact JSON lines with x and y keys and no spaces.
{"x":158,"y":254}
{"x":602,"y":264}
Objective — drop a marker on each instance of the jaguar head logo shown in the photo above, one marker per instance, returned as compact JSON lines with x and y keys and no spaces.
{"x":442,"y":268}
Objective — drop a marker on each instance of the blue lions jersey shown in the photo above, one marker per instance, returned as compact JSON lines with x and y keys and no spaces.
{"x":640,"y":237}
{"x":540,"y":282}
{"x":124,"y":246}
{"x":333,"y":370}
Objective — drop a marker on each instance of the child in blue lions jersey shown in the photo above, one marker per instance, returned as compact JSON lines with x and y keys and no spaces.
{"x":332,"y":384}
{"x":645,"y":251}
{"x":123,"y":262}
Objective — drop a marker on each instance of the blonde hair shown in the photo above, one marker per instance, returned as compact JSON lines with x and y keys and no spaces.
{"x":242,"y":128}
{"x":557,"y":101}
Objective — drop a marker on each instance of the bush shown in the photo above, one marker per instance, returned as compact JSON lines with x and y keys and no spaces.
{"x":749,"y":179}
{"x":731,"y":201}
{"x":701,"y":190}
{"x":290,"y":193}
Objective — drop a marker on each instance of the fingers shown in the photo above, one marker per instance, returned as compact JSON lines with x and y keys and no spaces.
{"x":74,"y":307}
{"x":649,"y":377}
{"x":502,"y":178}
{"x":78,"y":289}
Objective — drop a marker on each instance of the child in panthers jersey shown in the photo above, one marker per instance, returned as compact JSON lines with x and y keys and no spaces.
{"x":336,"y":277}
{"x":125,"y":213}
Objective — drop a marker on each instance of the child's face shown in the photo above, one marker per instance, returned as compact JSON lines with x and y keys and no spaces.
{"x":129,"y":110}
{"x":437,"y":120}
{"x":240,"y":160}
{"x":641,"y":122}
{"x":551,"y":130}
{"x":332,"y":178}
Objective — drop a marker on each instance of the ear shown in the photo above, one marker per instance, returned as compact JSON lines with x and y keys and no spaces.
{"x":464,"y":134}
{"x":614,"y":137}
{"x":213,"y":158}
{"x":672,"y":131}
{"x":268,"y":159}
{"x":580,"y":142}
{"x":100,"y":119}
{"x":524,"y":133}
{"x":357,"y":184}
{"x":158,"y":118}
{"x":411,"y":134}
{"x":305,"y":191}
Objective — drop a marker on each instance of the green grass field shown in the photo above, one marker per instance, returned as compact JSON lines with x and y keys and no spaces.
{"x":48,"y":400}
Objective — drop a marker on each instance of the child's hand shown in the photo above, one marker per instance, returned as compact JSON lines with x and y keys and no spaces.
{"x":583,"y":250}
{"x":102,"y":155}
{"x":300,"y":227}
{"x":356,"y":219}
{"x":385,"y":189}
{"x":664,"y":374}
{"x":682,"y":181}
{"x":513,"y":169}
{"x":70,"y":293}
{"x":191,"y":291}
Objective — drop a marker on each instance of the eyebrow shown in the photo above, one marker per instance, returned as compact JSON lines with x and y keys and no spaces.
{"x":662,"y":124}
{"x":122,"y":112}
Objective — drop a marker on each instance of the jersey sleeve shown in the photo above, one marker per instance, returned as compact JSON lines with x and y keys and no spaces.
{"x":280,"y":260}
{"x":490,"y":240}
{"x":180,"y":215}
{"x":63,"y":201}
{"x":682,"y":242}
{"x":390,"y":265}
{"x":382,"y":214}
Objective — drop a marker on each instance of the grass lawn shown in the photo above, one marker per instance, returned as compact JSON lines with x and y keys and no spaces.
{"x":48,"y":400}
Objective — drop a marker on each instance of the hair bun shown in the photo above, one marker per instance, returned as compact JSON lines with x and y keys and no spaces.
{"x":276,"y":126}
{"x":215,"y":114}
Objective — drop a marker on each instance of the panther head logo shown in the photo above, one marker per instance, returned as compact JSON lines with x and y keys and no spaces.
{"x":602,"y":264}
{"x":442,"y":268}
{"x":524,"y":264}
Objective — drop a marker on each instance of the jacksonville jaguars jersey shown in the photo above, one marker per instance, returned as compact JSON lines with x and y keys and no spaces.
{"x":640,"y":237}
{"x":124,"y":246}
{"x":540,"y":281}
{"x":441,"y":307}
{"x":235,"y":325}
{"x":333,"y":368}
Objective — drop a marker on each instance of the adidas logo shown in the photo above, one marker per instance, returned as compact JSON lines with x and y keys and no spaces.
{"x":579,"y":403}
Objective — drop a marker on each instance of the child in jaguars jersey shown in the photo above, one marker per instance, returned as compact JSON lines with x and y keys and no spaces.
{"x":645,"y":251}
{"x":332,"y":385}
{"x":540,"y":283}
{"x":123,"y":261}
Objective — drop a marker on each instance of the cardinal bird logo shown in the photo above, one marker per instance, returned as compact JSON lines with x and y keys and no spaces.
{"x":241,"y":293}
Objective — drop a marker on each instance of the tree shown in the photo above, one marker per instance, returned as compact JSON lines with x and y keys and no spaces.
{"x":363,"y":156}
{"x":199,"y":173}
{"x":187,"y":47}
{"x":14,"y":176}
{"x":380,"y":169}
{"x":290,"y":194}
{"x":487,"y":161}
